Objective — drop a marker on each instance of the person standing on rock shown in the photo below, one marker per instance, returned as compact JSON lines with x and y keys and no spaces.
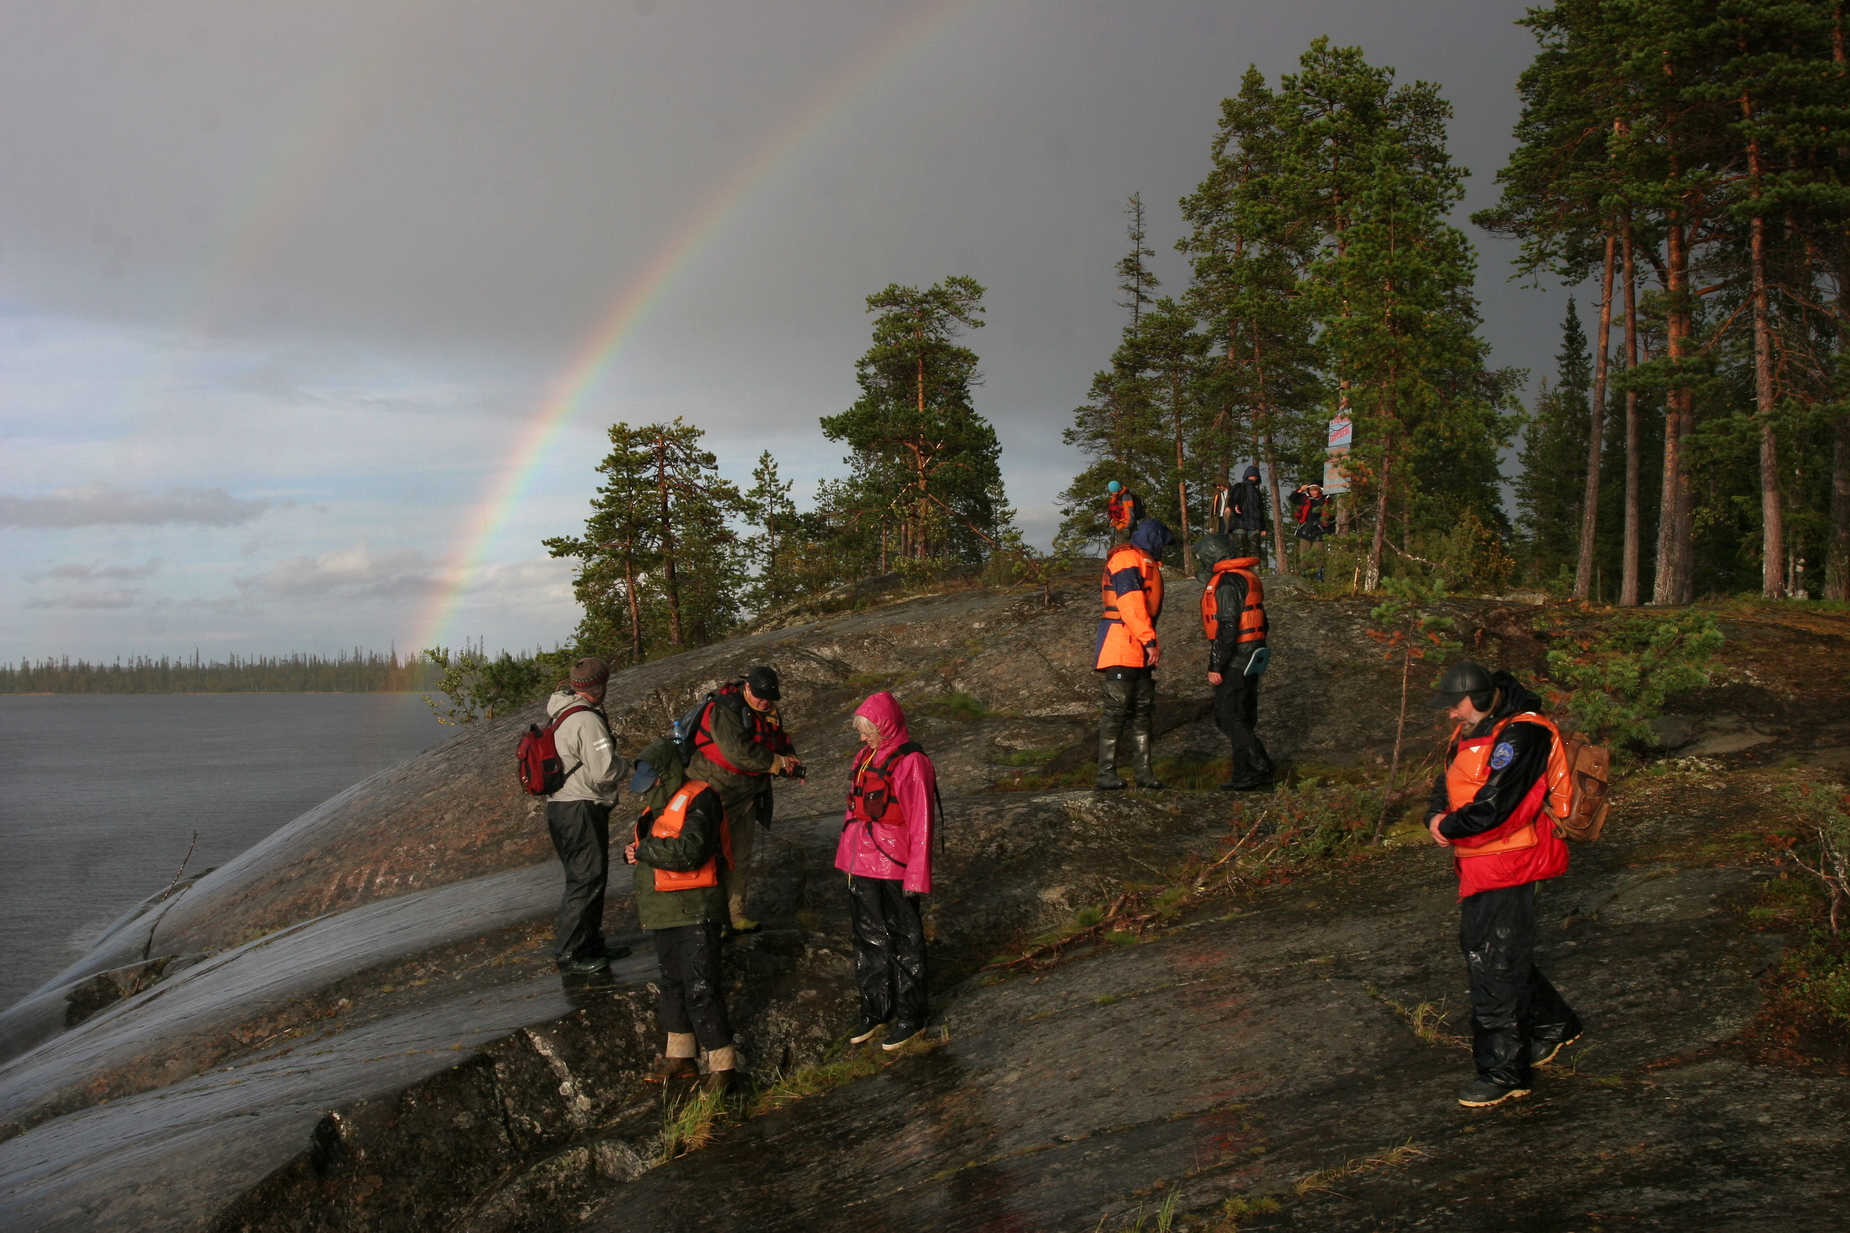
{"x":740,"y":743}
{"x":885,"y":849}
{"x":1131,"y":592}
{"x":1234,"y":622}
{"x":578,"y":815}
{"x":681,"y":845}
{"x":1246,"y":515}
{"x":1506,"y":771}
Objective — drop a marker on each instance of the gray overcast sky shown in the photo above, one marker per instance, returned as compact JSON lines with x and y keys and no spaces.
{"x":284,"y":288}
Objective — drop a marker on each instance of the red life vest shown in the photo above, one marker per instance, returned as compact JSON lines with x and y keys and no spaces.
{"x":871,"y":797}
{"x":759,"y":728}
{"x":1252,"y":617}
{"x":1527,"y":846}
{"x":668,"y":826}
{"x":1118,"y":510}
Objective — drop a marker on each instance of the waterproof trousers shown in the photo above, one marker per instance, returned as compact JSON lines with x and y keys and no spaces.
{"x":1248,"y":543}
{"x":693,"y":990}
{"x":581,"y":837}
{"x":1128,"y":705}
{"x":889,"y":952}
{"x":1512,"y":1004}
{"x":1236,"y":714}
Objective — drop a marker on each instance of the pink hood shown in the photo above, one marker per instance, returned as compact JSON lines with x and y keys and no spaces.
{"x":883,"y":708}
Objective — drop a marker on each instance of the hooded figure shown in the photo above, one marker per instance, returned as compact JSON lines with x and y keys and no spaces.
{"x":1504,"y":770}
{"x":885,"y":849}
{"x":1131,"y":596}
{"x":1246,"y":514}
{"x":680,"y":846}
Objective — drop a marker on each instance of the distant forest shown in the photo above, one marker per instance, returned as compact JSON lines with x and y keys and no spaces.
{"x":355,"y":672}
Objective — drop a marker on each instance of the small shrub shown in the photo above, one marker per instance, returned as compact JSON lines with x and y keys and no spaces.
{"x":1615,"y":680}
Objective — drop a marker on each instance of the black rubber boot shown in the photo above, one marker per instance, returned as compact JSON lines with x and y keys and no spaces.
{"x":1114,"y":711}
{"x":1140,"y":762}
{"x":1108,"y":729}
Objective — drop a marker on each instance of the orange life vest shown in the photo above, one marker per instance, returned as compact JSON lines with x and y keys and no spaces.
{"x":1152,"y":572}
{"x":1252,"y":616}
{"x":668,"y":826}
{"x":1118,"y":510}
{"x":1470,"y":769}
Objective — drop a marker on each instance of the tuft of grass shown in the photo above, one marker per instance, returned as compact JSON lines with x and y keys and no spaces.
{"x":689,"y":1125}
{"x":1429,"y":1022}
{"x":1394,"y":1157}
{"x":961,"y":705}
{"x":807,"y":1081}
{"x":1235,"y":1211}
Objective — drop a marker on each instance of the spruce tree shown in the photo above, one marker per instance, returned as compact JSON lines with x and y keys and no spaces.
{"x":1551,"y":487}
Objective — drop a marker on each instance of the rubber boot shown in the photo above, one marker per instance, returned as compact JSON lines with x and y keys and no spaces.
{"x":1140,"y":761}
{"x":1109,"y":727}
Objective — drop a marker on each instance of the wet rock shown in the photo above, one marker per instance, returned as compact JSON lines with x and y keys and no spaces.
{"x":375,"y":1039}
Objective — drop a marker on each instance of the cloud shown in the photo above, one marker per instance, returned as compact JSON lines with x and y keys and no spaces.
{"x":100,"y":505}
{"x":79,"y":571}
{"x":358,"y":572}
{"x":85,"y":601}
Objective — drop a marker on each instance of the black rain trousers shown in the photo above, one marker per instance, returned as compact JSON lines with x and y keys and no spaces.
{"x":581,"y":837}
{"x":693,"y":990}
{"x":889,"y":952}
{"x":1236,"y":714}
{"x":1512,"y":1003}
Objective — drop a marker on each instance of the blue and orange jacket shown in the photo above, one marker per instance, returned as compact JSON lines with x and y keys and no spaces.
{"x":1131,"y":595}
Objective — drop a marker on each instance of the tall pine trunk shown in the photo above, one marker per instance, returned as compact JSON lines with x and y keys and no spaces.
{"x":1372,"y":579}
{"x":1674,"y":582}
{"x":1596,"y":433}
{"x":1837,"y":552}
{"x":1634,"y":512}
{"x":670,"y":583}
{"x":1772,"y":521}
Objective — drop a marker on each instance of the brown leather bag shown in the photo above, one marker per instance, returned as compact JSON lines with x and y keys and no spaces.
{"x":1589,"y":769}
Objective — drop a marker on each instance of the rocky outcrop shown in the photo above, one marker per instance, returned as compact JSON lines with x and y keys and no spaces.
{"x":355,"y":1025}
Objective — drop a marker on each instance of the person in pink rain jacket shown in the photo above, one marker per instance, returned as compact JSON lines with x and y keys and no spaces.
{"x":885,"y":850}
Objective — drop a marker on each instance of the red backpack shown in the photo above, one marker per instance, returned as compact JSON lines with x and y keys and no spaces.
{"x":536,"y":759}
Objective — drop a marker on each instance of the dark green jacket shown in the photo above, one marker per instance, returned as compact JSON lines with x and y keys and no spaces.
{"x":699,"y":840}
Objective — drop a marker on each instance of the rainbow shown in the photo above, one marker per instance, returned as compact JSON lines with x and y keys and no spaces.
{"x":568,"y":392}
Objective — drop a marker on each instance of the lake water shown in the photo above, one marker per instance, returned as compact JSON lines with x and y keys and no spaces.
{"x":100,"y":794}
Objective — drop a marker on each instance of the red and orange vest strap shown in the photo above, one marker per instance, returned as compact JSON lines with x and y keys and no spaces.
{"x":668,"y":826}
{"x":1470,"y":770}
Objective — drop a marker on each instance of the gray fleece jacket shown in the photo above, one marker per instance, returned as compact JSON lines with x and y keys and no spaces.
{"x":583,"y":740}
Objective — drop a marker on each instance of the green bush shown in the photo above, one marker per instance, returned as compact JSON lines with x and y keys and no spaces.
{"x":1614,"y":680}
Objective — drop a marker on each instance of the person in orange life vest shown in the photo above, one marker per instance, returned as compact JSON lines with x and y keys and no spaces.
{"x":741,"y":744}
{"x":1121,"y":506}
{"x":1506,"y":769}
{"x":1131,"y":593}
{"x":885,"y":849}
{"x":680,"y":846}
{"x":578,"y":819}
{"x":1234,"y":623}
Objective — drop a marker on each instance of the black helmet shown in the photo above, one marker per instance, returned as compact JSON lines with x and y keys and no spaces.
{"x":1465,"y":679}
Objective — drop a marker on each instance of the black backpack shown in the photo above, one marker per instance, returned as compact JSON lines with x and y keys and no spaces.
{"x":687,"y":725}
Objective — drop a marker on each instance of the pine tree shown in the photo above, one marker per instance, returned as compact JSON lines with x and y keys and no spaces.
{"x":925,"y":463}
{"x":658,"y":555}
{"x":1249,"y":258}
